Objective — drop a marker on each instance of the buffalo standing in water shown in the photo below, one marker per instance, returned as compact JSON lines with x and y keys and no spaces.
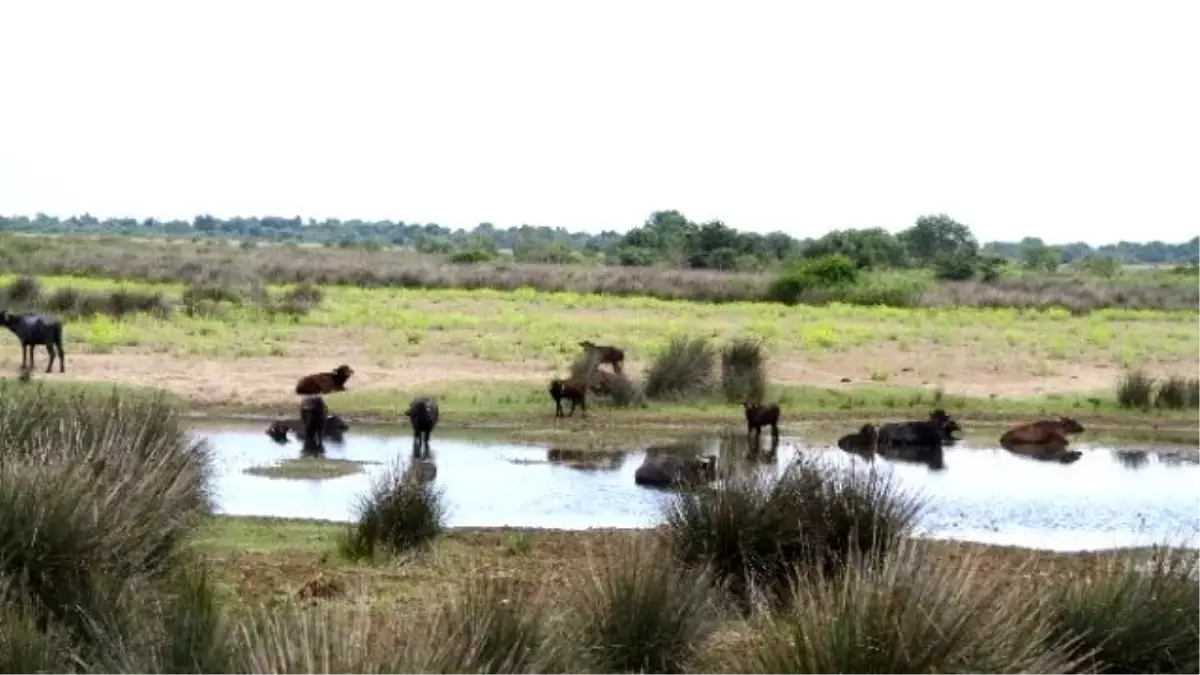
{"x":862,"y":443}
{"x":665,"y":471}
{"x":423,"y":414}
{"x":313,"y":416}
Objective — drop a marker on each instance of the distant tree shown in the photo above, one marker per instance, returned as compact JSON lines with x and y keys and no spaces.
{"x":870,"y":248}
{"x":1037,"y":256}
{"x":937,"y":238}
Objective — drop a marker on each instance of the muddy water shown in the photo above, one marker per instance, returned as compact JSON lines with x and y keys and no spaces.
{"x":1111,"y":497}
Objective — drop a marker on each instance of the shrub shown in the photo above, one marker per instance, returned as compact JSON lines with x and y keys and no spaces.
{"x":401,"y":512}
{"x":913,"y":614}
{"x":743,"y":371}
{"x":1175,"y":392}
{"x":1133,"y":616}
{"x":754,"y":532}
{"x":1135,"y":389}
{"x":25,"y":289}
{"x":639,"y":612}
{"x":683,"y":370}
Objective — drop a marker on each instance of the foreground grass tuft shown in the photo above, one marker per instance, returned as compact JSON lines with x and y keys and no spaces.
{"x":401,"y":512}
{"x":640,"y":612}
{"x":912,"y":614}
{"x":755,"y":532}
{"x":1134,"y":617}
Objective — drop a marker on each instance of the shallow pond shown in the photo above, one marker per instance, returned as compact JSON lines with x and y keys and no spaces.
{"x":1112,"y":497}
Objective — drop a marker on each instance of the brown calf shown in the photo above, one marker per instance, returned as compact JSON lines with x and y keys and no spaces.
{"x":324,"y":383}
{"x":600,"y":354}
{"x":862,"y":443}
{"x":759,"y":415}
{"x":573,"y":390}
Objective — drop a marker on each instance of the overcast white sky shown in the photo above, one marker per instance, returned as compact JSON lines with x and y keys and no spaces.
{"x":1065,"y":120}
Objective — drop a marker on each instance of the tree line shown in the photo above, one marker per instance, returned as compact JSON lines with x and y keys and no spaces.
{"x":667,"y":237}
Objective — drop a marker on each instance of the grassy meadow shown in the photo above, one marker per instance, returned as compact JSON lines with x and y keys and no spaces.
{"x":111,"y":560}
{"x":489,"y":353}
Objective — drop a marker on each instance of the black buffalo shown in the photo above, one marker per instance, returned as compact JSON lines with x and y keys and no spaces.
{"x":33,"y":330}
{"x":423,"y":414}
{"x":673,"y":471}
{"x":314,"y":415}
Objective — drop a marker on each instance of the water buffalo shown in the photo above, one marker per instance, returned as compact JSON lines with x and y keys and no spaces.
{"x":324,"y":383}
{"x":917,"y":440}
{"x":1043,"y":439}
{"x":573,"y":390}
{"x":423,"y":414}
{"x":601,"y":354}
{"x":673,"y":471}
{"x":759,"y":415}
{"x":278,"y":430}
{"x":313,"y":416}
{"x":861,"y":443}
{"x":33,"y":330}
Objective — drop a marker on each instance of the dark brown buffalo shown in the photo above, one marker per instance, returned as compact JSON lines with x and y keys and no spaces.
{"x":759,"y":415}
{"x":313,"y":416}
{"x":324,"y":383}
{"x":601,"y":354}
{"x":861,"y":443}
{"x":572,"y":390}
{"x":1043,"y":439}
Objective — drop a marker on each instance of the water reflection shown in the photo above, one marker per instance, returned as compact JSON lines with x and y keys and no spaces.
{"x":1110,"y":497}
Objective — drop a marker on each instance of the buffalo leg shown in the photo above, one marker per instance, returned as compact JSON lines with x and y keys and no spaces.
{"x":50,"y":351}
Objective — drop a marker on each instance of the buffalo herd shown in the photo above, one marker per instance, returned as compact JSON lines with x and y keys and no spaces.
{"x":919,"y":441}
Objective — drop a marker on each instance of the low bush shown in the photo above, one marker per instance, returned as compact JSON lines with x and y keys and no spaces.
{"x":640,"y":612}
{"x":682,"y":371}
{"x":616,"y":386}
{"x":1133,"y":616}
{"x":401,"y":512}
{"x":26,"y":294}
{"x":1136,"y":389}
{"x":755,"y":532}
{"x":827,"y":272}
{"x":743,"y":371}
{"x":912,"y":614}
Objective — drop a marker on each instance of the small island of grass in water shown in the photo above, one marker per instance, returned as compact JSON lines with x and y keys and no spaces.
{"x":308,"y":468}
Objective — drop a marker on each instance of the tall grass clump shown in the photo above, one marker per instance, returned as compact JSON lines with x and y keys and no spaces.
{"x":1133,"y":616}
{"x":494,"y":626}
{"x":98,"y":494}
{"x":681,"y":371}
{"x":754,"y":532}
{"x":914,"y":613}
{"x":640,"y":612}
{"x":401,"y":512}
{"x":743,"y":371}
{"x":1135,"y":389}
{"x":1171,"y":393}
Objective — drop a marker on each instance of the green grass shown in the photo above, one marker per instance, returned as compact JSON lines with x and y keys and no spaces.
{"x":512,"y":326}
{"x":307,"y":468}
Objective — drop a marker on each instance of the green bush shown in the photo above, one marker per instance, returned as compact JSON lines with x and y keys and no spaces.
{"x":825,"y":272}
{"x":401,"y":512}
{"x":641,"y":613}
{"x":743,"y":371}
{"x":755,"y":532}
{"x":913,"y":614}
{"x":681,"y":371}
